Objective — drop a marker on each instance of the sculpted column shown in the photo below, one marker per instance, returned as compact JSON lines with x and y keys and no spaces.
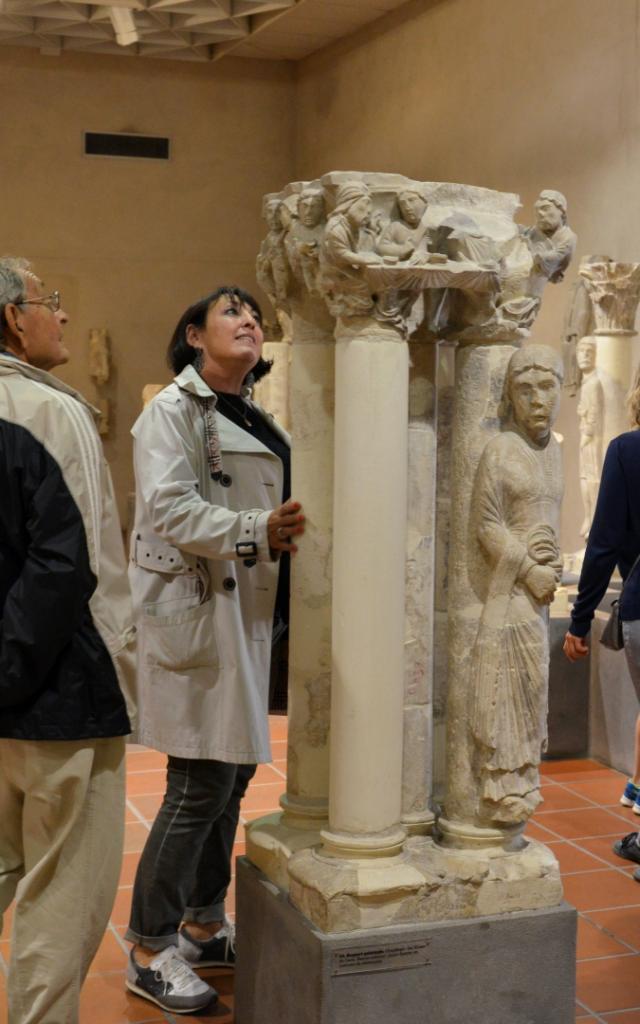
{"x":503,"y":569}
{"x":369,"y":545}
{"x":288,"y":268}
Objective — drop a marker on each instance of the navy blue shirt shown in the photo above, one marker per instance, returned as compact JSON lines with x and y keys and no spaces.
{"x":614,"y":538}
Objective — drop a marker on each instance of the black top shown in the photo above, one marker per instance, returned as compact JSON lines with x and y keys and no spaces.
{"x":614,"y":538}
{"x":234,"y":408}
{"x":57,"y":679}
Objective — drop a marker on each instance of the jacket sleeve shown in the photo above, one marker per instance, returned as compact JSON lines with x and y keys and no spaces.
{"x":603,"y":544}
{"x":47,"y":602}
{"x":166,"y":468}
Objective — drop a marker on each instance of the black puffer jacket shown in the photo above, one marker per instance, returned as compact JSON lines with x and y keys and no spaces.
{"x":65,"y":626}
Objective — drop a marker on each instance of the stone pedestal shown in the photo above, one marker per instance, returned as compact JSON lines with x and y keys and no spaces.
{"x":513,"y":969}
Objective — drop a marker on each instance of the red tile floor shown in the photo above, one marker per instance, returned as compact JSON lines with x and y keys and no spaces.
{"x":579,"y":820}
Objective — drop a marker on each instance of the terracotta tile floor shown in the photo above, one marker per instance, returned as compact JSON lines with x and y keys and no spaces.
{"x":579,"y":820}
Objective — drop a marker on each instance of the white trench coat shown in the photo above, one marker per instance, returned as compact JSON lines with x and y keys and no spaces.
{"x":204,"y":616}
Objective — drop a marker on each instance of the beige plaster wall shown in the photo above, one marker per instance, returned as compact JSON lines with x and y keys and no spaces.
{"x":508,"y":94}
{"x":131,"y":243}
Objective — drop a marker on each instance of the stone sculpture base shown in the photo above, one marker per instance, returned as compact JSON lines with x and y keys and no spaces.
{"x":428,"y":882}
{"x":515,"y":969}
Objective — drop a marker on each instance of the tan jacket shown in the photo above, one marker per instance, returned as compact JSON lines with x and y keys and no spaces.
{"x":204,"y":616}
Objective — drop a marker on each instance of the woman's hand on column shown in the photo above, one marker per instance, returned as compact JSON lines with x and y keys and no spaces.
{"x":285,"y":522}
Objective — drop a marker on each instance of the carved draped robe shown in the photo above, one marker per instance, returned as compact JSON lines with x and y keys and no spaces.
{"x":517,"y":497}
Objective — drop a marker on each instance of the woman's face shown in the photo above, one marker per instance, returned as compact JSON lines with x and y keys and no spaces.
{"x":231,"y":339}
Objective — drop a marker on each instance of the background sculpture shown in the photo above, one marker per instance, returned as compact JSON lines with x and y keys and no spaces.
{"x":591,"y":425}
{"x":100,"y":372}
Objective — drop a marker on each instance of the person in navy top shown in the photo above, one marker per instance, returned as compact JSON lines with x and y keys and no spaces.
{"x":614,"y":540}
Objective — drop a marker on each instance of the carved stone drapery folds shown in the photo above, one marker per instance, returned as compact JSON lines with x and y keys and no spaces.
{"x":364,"y":263}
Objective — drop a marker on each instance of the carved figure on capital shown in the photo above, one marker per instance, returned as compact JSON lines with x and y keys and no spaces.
{"x":346,"y":250}
{"x":515,"y":517}
{"x":272,"y":267}
{"x":409,"y":236}
{"x":304,"y":238}
{"x":551,"y":242}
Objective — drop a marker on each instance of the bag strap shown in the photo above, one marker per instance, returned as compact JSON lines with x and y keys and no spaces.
{"x":629,"y":575}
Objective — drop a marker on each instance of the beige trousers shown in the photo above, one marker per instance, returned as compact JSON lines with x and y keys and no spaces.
{"x":61,"y":837}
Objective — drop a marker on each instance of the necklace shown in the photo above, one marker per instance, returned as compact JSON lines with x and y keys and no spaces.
{"x":240,"y":409}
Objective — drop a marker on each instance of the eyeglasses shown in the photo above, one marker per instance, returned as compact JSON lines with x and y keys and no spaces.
{"x":52,"y":302}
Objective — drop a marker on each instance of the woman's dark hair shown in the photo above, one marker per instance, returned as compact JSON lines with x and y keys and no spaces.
{"x":180,"y":353}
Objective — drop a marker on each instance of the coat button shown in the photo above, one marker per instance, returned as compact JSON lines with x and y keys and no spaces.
{"x":229,"y":583}
{"x":225,"y":480}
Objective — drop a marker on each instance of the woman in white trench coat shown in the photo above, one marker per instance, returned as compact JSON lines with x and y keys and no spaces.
{"x":213,"y":516}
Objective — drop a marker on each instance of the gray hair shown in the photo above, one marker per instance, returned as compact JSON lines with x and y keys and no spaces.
{"x":12,"y":284}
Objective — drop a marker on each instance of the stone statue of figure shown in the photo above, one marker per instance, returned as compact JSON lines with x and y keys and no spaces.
{"x":515,"y":518}
{"x":99,"y":367}
{"x":551,"y":242}
{"x":272,"y":268}
{"x":305,"y":236}
{"x":347,"y":248}
{"x":408,"y":236}
{"x":591,"y":422}
{"x":579,"y":322}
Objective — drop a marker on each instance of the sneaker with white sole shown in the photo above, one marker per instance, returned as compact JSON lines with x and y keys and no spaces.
{"x":218,"y":951}
{"x":169,"y":982}
{"x":630,"y":795}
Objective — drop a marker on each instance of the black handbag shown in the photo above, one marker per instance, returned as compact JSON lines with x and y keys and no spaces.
{"x":612,"y":632}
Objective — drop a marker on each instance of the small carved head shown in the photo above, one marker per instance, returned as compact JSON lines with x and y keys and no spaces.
{"x":353,"y":200}
{"x":311,"y":207}
{"x":534,"y":382}
{"x":412,"y":205}
{"x":586,"y":353}
{"x":551,"y":210}
{"x":272,"y":214}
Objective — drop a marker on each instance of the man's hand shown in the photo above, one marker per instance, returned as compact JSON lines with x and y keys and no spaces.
{"x":575,"y":647}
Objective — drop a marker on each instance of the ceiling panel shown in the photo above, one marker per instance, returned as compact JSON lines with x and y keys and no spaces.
{"x":186,"y":29}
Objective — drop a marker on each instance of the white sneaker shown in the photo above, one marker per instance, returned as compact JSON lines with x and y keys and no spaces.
{"x":169,"y":982}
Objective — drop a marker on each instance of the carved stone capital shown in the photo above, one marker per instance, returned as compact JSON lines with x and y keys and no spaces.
{"x":614,"y":291}
{"x":430,"y":259}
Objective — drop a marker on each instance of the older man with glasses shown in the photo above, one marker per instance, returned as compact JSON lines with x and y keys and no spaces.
{"x":65,"y":663}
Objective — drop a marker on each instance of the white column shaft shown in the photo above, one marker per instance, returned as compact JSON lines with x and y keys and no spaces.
{"x":368,"y":591}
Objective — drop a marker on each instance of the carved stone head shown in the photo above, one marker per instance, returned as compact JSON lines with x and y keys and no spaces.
{"x":311,"y":207}
{"x":353,"y":200}
{"x":534,"y":382}
{"x":586,"y":352}
{"x":551,"y":210}
{"x":412,"y":205}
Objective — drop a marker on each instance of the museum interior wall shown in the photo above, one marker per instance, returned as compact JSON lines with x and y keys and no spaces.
{"x":130,"y":243}
{"x":516,"y":97}
{"x":508,"y":96}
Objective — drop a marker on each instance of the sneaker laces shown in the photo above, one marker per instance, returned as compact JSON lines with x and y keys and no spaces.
{"x":231,"y":938}
{"x":173,"y":968}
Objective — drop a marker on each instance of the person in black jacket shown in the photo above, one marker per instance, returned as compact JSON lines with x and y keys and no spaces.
{"x":614,"y":540}
{"x":65,"y":663}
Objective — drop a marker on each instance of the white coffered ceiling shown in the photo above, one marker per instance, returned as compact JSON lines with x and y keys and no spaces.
{"x":201,"y":30}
